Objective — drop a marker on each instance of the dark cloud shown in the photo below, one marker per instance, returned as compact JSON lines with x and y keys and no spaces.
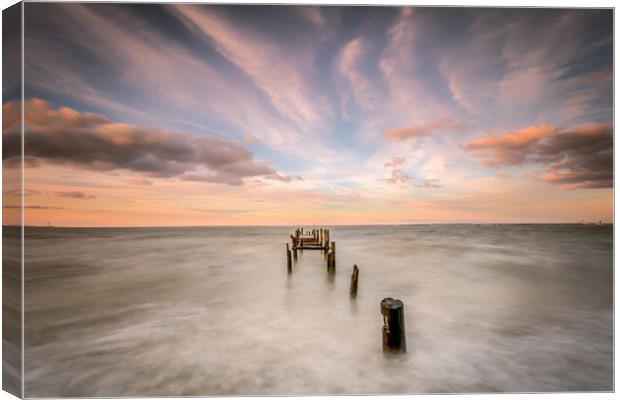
{"x":74,"y":195}
{"x":19,"y":192}
{"x":580,"y":157}
{"x":65,"y":136}
{"x":69,"y":194}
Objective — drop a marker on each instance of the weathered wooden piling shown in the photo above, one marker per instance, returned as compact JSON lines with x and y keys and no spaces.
{"x":354,"y":278}
{"x":393,"y":325}
{"x":331,"y":262}
{"x":325,"y":242}
{"x":289,"y":263}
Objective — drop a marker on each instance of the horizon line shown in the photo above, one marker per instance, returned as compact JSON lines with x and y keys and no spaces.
{"x":307,"y":225}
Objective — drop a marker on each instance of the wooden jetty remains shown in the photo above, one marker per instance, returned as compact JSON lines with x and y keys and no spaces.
{"x":314,"y":239}
{"x":392,"y":310}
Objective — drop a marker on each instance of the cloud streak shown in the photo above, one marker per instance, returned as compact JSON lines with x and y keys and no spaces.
{"x":359,"y":88}
{"x":423,"y":130}
{"x":74,"y":195}
{"x":32,"y":207}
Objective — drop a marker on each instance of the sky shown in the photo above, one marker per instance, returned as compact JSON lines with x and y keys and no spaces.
{"x":185,"y":114}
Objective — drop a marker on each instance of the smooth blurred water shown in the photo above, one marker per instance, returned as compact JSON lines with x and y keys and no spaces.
{"x":212,"y":311}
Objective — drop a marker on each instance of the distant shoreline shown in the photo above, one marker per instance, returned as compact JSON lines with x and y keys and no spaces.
{"x":313,"y":225}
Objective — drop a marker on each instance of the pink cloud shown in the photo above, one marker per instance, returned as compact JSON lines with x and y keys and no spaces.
{"x":398,"y":176}
{"x":248,"y":138}
{"x":394,"y":162}
{"x":423,"y":130}
{"x":510,"y":148}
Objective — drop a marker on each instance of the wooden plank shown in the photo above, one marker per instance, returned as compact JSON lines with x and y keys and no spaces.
{"x":309,"y":248}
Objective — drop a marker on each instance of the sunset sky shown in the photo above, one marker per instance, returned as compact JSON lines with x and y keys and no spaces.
{"x":157,"y":115}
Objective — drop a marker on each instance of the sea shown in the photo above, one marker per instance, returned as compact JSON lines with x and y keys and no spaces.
{"x":205,"y":311}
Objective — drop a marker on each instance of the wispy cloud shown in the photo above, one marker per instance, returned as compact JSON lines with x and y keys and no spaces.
{"x":359,"y":89}
{"x":398,"y":176}
{"x":394,"y":162}
{"x":280,"y":73}
{"x":140,"y":181}
{"x":428,"y":183}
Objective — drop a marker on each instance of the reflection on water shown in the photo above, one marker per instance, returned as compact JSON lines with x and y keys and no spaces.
{"x":211,"y":311}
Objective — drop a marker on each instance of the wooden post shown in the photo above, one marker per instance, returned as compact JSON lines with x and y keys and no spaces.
{"x":331,"y":262}
{"x":325,"y":242}
{"x":393,"y":325}
{"x":333,"y":247}
{"x":288,"y":259}
{"x":354,"y":277}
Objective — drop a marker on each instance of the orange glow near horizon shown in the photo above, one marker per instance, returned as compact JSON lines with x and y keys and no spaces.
{"x":206,"y":115}
{"x":109,"y":200}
